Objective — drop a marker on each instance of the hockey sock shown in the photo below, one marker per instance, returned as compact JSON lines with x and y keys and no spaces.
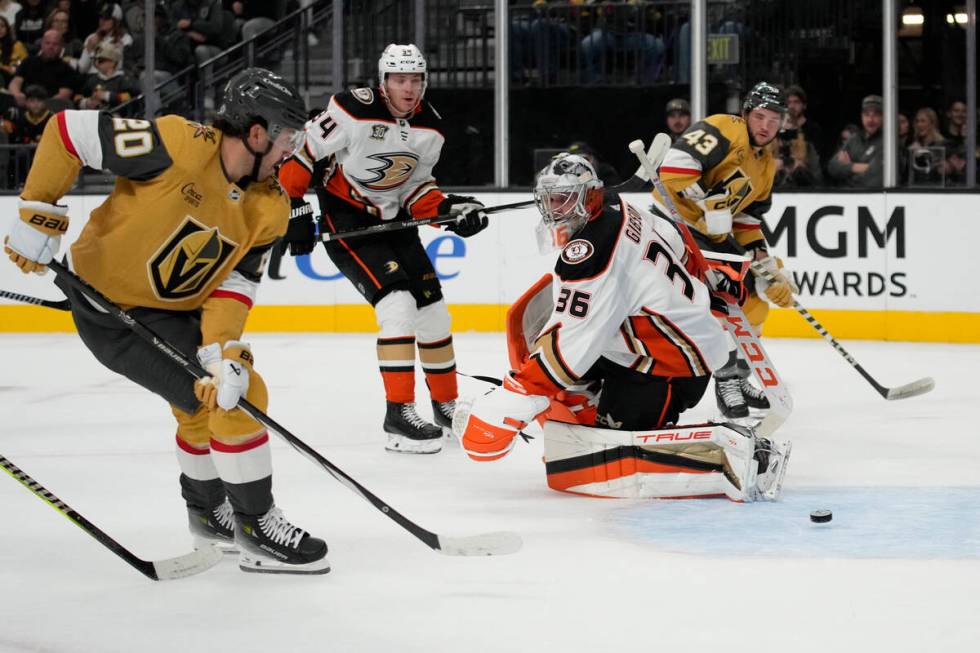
{"x":246,"y":471}
{"x":396,"y":358}
{"x":439,"y":365}
{"x":199,"y":482}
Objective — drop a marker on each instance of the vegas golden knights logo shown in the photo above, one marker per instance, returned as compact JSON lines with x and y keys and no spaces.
{"x":188,"y":260}
{"x":394,"y":170}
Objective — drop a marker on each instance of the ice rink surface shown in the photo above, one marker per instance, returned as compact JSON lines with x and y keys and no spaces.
{"x":898,"y":569}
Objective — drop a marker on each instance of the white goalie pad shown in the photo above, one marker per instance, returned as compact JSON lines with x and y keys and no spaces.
{"x":703,"y":460}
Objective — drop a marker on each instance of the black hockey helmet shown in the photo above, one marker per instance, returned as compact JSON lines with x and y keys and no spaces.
{"x":765,"y":96}
{"x":258,"y":95}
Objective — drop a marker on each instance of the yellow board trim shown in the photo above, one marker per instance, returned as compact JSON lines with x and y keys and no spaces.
{"x":347,"y":318}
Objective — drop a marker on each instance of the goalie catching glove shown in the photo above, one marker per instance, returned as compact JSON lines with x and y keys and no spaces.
{"x":470,"y":219}
{"x":229,"y":370}
{"x":781,"y":289}
{"x":487,"y":427}
{"x":34,"y":240}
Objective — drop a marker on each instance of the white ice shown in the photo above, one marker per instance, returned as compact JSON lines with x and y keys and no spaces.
{"x":897,"y":570}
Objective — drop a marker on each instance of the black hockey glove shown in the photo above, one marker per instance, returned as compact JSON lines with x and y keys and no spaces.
{"x":301,"y":234}
{"x":471,"y":221}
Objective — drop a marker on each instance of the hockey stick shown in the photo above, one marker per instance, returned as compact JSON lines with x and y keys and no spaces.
{"x":498,"y":543}
{"x":480,"y":377}
{"x":62,"y":305}
{"x":407,"y":224}
{"x":169,"y":569}
{"x":912,"y":389}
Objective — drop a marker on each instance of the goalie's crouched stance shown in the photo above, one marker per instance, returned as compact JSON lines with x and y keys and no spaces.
{"x":611,"y":350}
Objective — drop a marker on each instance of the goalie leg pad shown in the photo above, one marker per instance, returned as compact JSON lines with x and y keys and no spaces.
{"x":705,"y":460}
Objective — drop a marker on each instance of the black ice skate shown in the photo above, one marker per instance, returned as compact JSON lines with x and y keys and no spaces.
{"x":271,"y":545}
{"x":213,"y":527}
{"x":754,"y":398}
{"x":409,"y":433}
{"x":731,"y":402}
{"x":443,"y":412}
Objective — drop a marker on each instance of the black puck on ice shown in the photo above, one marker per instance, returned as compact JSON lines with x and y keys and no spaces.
{"x":821,"y":516}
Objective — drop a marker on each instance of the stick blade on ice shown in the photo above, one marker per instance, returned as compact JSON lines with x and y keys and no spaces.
{"x":913,"y":389}
{"x":188,"y":564}
{"x":488,"y":544}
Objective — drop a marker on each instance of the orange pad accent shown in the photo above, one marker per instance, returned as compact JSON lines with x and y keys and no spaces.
{"x":516,"y":343}
{"x":490,"y":442}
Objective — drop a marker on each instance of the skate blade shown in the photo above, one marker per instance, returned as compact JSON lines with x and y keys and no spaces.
{"x":401,"y":444}
{"x":257,"y":565}
{"x":225,"y":547}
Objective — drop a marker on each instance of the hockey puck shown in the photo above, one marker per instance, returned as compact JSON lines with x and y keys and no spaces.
{"x":821,"y":516}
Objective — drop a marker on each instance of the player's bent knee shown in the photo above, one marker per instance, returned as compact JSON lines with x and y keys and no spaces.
{"x":396,"y":314}
{"x":756,"y":310}
{"x":434,"y":322}
{"x":235,"y":425}
{"x":193,"y":429}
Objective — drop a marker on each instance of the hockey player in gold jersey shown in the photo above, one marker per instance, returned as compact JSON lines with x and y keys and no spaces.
{"x":719,"y":177}
{"x":181,"y":243}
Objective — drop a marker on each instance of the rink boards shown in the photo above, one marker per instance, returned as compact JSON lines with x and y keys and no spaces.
{"x":872,"y":266}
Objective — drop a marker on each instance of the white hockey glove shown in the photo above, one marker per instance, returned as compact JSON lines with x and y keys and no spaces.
{"x":781,"y":289}
{"x":487,"y":427}
{"x":229,"y":370}
{"x":35,"y":239}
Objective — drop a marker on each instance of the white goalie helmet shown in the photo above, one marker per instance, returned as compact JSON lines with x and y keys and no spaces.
{"x":402,"y":59}
{"x":568,"y":193}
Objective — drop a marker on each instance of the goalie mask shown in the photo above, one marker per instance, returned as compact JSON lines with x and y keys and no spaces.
{"x":402,"y":59}
{"x":568,"y":193}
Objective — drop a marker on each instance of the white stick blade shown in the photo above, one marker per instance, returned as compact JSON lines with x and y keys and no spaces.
{"x":658,"y":149}
{"x":913,"y":389}
{"x":636,"y":146}
{"x":189,"y":564}
{"x":487,"y":544}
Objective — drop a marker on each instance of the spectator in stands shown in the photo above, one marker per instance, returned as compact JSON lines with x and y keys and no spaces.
{"x":678,"y":113}
{"x":859,"y":163}
{"x":12,"y":51}
{"x":8,"y":11}
{"x":796,"y":118}
{"x":110,"y":30}
{"x":256,"y":16}
{"x":551,"y":37}
{"x":926,"y":130}
{"x":927,"y":152}
{"x":31,"y":121}
{"x":606,"y":172}
{"x":108,"y":86}
{"x":60,"y":21}
{"x":956,"y":122}
{"x":29,"y":25}
{"x":797,"y":161}
{"x":203,"y":22}
{"x":46,"y":69}
{"x":622,"y":27}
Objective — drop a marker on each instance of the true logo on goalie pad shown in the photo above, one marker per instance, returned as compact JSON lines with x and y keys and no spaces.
{"x":188,"y":260}
{"x":577,"y":251}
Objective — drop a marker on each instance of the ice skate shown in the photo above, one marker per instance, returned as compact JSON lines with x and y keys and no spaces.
{"x":213,"y":527}
{"x":269,"y":544}
{"x":408,"y":432}
{"x":754,"y":398}
{"x":731,"y":401}
{"x":442,"y":412}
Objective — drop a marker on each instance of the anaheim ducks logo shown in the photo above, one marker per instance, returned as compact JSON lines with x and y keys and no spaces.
{"x":394,"y":170}
{"x":188,"y":260}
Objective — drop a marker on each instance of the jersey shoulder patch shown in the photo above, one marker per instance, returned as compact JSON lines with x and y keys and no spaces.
{"x":588,"y":254}
{"x":355,"y":103}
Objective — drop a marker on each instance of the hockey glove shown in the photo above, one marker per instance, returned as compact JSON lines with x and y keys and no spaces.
{"x":229,"y":370}
{"x":487,"y":430}
{"x":35,"y":239}
{"x":301,"y":233}
{"x":470,"y":220}
{"x":780,"y":290}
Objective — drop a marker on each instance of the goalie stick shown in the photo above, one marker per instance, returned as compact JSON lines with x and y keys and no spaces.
{"x":62,"y":305}
{"x":918,"y":387}
{"x":407,"y":224}
{"x":497,"y":543}
{"x":168,"y":569}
